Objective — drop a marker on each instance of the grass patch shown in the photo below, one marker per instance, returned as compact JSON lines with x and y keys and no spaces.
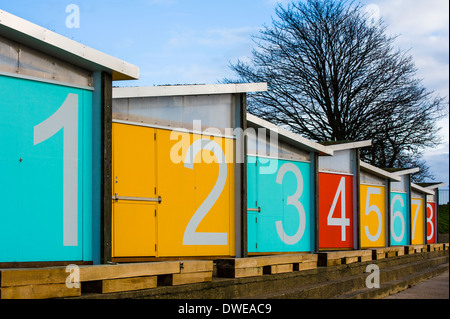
{"x":443,"y":219}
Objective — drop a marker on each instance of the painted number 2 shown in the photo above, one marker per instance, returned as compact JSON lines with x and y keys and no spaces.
{"x":66,"y":119}
{"x":191,"y":236}
{"x":293,"y":200}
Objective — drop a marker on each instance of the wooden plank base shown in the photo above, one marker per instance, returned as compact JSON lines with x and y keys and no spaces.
{"x":264,"y":265}
{"x":43,"y":283}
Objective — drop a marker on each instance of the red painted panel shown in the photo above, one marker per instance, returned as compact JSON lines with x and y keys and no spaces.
{"x":431,"y":223}
{"x":335,"y":228}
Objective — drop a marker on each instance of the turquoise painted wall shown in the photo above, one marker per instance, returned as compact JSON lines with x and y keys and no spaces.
{"x":400,"y":222}
{"x":46,"y":172}
{"x":284,"y":195}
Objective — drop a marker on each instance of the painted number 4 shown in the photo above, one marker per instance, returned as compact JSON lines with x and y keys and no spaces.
{"x":343,"y":221}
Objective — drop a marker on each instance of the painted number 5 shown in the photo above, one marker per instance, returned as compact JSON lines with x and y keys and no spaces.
{"x":373,"y":208}
{"x":293,"y":200}
{"x":191,"y":236}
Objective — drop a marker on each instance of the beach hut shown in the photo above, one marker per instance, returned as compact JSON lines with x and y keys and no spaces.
{"x":338,"y":196}
{"x":176,"y":184}
{"x":433,"y":212}
{"x":419,"y":214}
{"x":55,"y":105}
{"x":374,"y":205}
{"x":400,"y":208}
{"x":282,"y":189}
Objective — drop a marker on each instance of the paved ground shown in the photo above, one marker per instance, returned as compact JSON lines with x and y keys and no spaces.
{"x":434,"y":288}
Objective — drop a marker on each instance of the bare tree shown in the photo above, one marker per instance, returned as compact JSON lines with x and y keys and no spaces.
{"x":334,"y":75}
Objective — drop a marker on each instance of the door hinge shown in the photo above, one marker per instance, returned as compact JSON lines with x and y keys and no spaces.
{"x":155,"y":136}
{"x":256,"y":219}
{"x":256,"y":245}
{"x":155,"y":212}
{"x":155,"y":247}
{"x":155,"y":190}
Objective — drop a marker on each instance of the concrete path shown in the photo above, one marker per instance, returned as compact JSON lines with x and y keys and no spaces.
{"x":434,"y":288}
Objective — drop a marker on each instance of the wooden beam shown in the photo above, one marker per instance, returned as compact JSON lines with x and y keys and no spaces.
{"x":120,"y":285}
{"x":39,"y":291}
{"x":106,"y":174}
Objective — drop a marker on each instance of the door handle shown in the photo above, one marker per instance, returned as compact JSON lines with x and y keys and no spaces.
{"x":158,"y":200}
{"x":254,"y":209}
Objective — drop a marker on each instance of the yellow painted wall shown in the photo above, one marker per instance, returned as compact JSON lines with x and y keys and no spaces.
{"x":134,"y":175}
{"x":184,"y":192}
{"x":148,"y":159}
{"x":372,"y":216}
{"x":417,"y":220}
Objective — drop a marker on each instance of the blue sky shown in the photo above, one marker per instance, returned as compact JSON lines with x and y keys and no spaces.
{"x":194,"y":41}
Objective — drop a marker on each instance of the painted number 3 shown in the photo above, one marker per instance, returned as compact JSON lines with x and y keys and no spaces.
{"x":293,"y":200}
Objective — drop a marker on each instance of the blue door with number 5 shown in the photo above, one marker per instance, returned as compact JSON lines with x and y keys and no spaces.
{"x":279,"y":217}
{"x":46,"y":163}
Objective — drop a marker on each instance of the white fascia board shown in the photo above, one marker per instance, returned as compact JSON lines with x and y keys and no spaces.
{"x":351,"y":145}
{"x":422,"y":189}
{"x":183,"y":90}
{"x":288,"y":136}
{"x":49,"y":42}
{"x":379,"y":172}
{"x":407,"y":171}
{"x":434,"y":186}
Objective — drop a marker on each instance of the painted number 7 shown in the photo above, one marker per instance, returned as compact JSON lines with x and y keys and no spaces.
{"x":66,"y":118}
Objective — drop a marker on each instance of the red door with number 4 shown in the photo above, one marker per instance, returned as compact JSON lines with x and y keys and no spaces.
{"x":335,"y":211}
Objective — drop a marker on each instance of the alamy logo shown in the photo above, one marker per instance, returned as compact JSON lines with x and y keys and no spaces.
{"x":73,"y":280}
{"x":73,"y":19}
{"x":373,"y":280}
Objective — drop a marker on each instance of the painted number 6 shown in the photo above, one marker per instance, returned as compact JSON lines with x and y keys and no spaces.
{"x":397,"y":214}
{"x":293,"y":200}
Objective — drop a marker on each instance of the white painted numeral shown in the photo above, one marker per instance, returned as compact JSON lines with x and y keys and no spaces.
{"x":430,"y":221}
{"x":343,"y":221}
{"x":191,"y":236}
{"x":416,"y":213}
{"x":395,"y":215}
{"x":293,"y":200}
{"x":373,"y":208}
{"x":66,"y":119}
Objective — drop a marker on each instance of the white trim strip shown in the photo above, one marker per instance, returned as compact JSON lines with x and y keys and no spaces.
{"x":33,"y":78}
{"x":175,"y":129}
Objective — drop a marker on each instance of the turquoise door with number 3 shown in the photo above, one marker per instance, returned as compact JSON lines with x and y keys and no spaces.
{"x":280,"y":216}
{"x":46,"y":180}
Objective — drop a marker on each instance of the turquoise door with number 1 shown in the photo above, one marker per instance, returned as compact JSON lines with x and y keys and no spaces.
{"x":280,"y":216}
{"x":46,"y":164}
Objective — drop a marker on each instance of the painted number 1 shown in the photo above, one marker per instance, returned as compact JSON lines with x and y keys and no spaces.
{"x":66,"y":118}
